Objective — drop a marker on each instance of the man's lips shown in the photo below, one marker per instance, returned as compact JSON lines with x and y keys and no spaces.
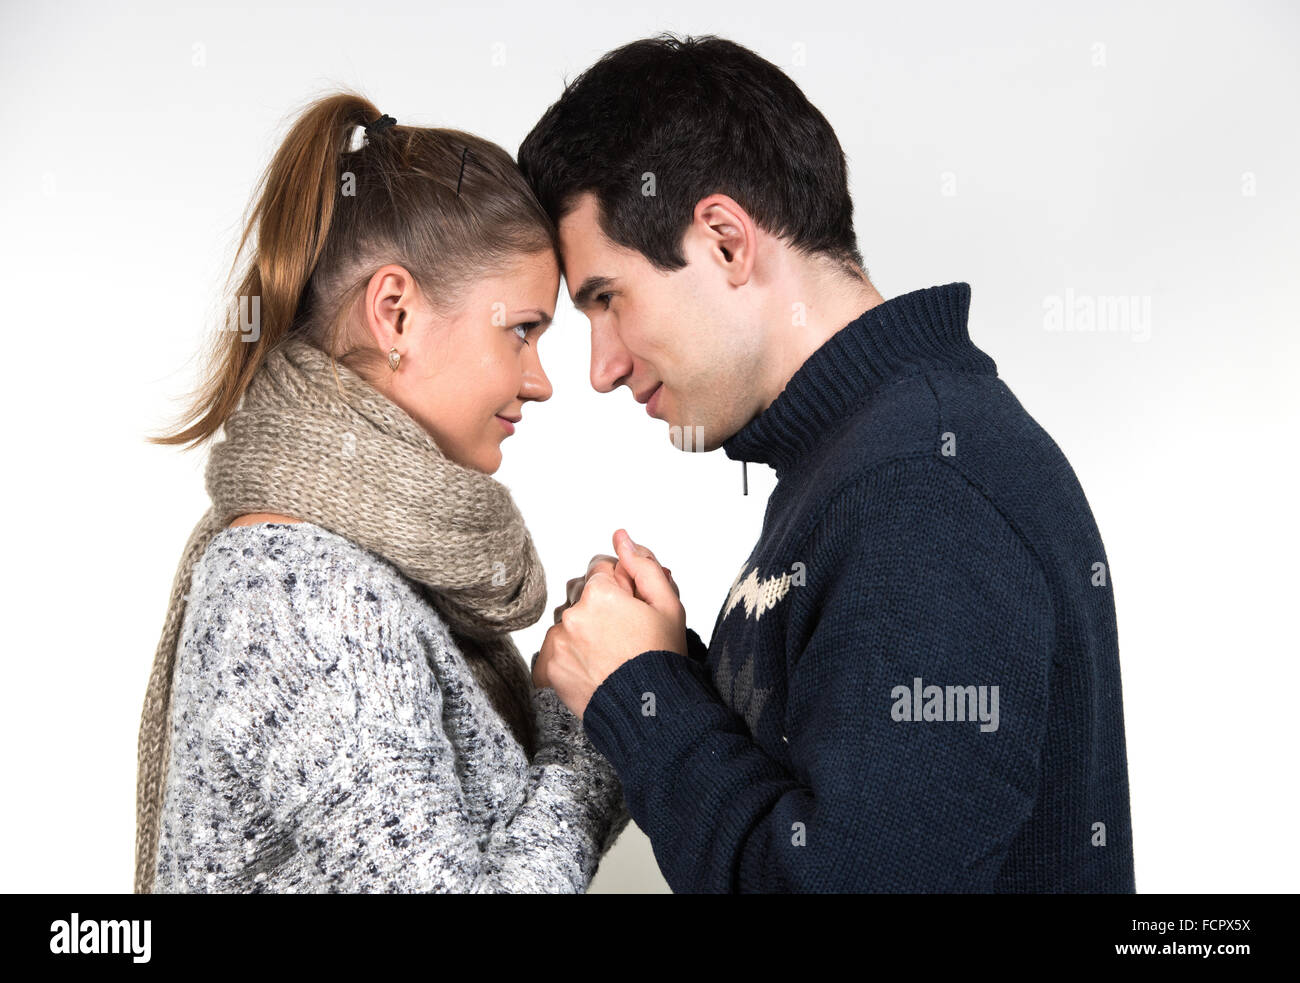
{"x":648,"y":397}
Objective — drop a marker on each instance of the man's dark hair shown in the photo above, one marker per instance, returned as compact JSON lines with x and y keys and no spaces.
{"x":703,"y":115}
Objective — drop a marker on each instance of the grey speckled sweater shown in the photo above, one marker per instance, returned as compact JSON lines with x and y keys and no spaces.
{"x":328,"y":736}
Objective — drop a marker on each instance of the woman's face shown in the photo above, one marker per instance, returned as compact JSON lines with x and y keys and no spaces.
{"x":461,"y":374}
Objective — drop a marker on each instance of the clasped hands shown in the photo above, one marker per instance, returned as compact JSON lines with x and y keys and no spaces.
{"x":624,"y":605}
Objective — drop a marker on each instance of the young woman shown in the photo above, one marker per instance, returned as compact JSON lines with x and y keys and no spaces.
{"x":336,"y":703}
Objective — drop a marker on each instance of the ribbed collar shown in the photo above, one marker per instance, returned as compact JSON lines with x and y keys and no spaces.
{"x":911,"y":333}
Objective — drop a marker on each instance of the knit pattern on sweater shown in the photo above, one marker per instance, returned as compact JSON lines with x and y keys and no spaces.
{"x":329,"y":736}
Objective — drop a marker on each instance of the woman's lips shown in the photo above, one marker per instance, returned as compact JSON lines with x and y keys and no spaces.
{"x":510,"y":427}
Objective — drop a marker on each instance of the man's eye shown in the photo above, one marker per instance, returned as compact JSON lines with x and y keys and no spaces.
{"x":604,"y":298}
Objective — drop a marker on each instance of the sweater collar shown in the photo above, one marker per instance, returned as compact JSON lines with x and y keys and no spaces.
{"x":915,"y":332}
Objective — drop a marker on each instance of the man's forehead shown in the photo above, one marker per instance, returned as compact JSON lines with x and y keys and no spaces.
{"x":585,"y":252}
{"x":582,"y":217}
{"x":584,"y":209}
{"x":579,"y":230}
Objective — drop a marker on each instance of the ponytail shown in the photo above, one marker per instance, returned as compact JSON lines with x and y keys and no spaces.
{"x":293,"y":208}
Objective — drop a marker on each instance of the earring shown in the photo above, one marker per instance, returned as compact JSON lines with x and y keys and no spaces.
{"x":393,"y":359}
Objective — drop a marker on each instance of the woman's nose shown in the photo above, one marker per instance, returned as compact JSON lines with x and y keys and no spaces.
{"x":536,"y":385}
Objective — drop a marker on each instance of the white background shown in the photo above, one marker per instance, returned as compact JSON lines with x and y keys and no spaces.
{"x":1106,"y":149}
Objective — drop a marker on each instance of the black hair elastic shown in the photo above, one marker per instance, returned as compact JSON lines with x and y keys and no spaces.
{"x":383,"y":123}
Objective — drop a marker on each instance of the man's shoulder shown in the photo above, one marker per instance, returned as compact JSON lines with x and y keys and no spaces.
{"x":958,"y":434}
{"x":968,"y":419}
{"x":904,"y":419}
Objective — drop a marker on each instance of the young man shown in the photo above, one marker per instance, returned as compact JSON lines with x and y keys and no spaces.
{"x":914,"y":683}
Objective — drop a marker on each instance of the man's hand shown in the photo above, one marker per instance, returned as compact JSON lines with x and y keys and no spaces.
{"x":609,"y":624}
{"x":603,"y":562}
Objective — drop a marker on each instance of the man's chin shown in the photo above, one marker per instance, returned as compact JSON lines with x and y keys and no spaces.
{"x":688,"y":438}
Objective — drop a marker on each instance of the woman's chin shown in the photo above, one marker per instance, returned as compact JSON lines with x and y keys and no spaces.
{"x":486,"y":460}
{"x":491,"y":461}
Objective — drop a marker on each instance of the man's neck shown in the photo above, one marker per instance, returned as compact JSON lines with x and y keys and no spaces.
{"x":831,"y":304}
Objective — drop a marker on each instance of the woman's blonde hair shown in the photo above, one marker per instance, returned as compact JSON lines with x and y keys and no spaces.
{"x":446,"y":205}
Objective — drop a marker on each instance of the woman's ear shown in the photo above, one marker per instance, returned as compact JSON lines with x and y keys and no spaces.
{"x":390,"y":295}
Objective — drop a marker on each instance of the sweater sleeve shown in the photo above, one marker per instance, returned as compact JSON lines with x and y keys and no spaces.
{"x":695,"y":647}
{"x":917,"y":576}
{"x":372,"y":793}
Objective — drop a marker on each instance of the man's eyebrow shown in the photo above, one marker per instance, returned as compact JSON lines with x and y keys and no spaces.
{"x":590,"y":286}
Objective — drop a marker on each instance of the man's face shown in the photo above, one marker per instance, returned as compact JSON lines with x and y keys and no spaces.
{"x":682,"y":333}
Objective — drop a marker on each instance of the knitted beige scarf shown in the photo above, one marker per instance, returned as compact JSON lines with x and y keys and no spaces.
{"x":313,"y":440}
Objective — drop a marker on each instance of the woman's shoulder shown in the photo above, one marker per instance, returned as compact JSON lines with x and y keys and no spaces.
{"x":311,"y":579}
{"x":251,"y":553}
{"x":297,"y":574}
{"x":295,"y":607}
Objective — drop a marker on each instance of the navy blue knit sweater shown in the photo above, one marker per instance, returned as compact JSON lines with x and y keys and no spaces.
{"x":914,"y":683}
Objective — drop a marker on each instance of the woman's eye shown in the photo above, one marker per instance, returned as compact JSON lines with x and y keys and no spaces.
{"x":525,"y":328}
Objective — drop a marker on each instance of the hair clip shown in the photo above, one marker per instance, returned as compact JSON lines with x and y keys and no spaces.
{"x":462,"y":170}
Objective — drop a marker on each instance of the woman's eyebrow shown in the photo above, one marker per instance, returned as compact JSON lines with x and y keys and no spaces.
{"x":542,"y":316}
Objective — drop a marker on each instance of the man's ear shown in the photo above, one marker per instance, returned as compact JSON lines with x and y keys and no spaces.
{"x":729,"y":235}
